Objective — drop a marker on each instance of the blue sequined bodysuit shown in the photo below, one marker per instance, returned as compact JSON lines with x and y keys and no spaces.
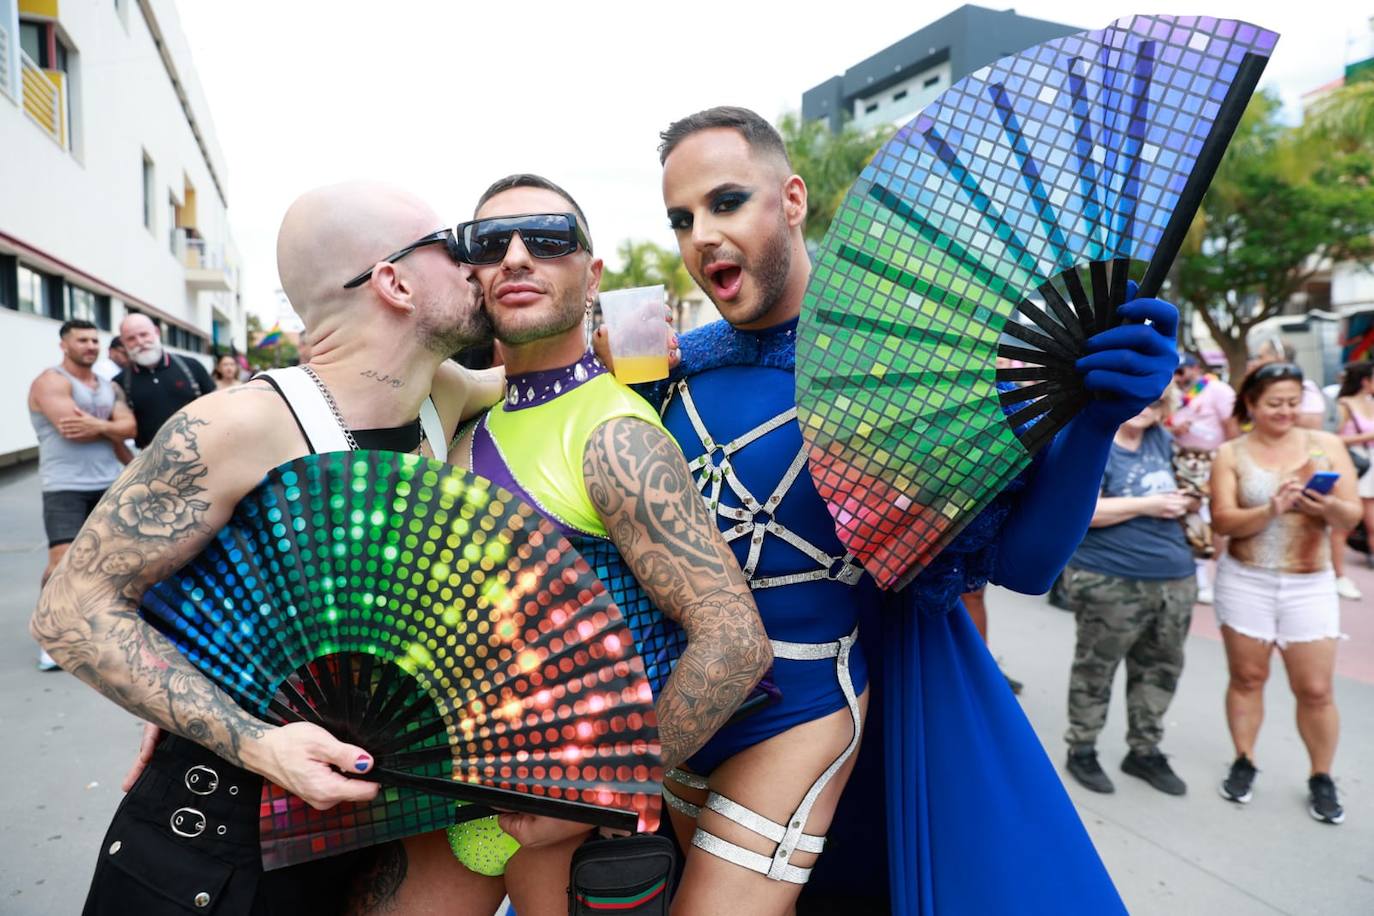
{"x":737,"y":381}
{"x":940,"y":714}
{"x":778,"y":528}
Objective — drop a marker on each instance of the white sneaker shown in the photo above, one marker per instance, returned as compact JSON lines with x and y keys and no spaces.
{"x":46,"y":662}
{"x":1204,"y":595}
{"x":1348,"y":589}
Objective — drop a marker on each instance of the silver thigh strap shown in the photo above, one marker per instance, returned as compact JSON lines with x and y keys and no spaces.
{"x":788,"y":837}
{"x":677,"y":802}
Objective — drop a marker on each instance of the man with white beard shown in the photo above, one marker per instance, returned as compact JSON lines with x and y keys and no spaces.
{"x":157,"y":383}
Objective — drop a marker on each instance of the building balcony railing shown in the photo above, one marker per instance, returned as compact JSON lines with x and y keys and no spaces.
{"x":43,"y":98}
{"x":205,"y":265}
{"x":6,"y":59}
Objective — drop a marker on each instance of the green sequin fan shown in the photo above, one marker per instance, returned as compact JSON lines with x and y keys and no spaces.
{"x":420,"y":612}
{"x":1001,"y":223}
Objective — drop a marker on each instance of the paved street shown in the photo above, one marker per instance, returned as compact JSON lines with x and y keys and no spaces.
{"x":64,"y":750}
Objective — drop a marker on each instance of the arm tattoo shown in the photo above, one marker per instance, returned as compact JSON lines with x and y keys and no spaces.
{"x":146,"y":526}
{"x":640,"y":485}
{"x":375,"y":890}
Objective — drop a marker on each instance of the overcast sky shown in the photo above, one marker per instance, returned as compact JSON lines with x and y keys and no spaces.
{"x":444,"y":97}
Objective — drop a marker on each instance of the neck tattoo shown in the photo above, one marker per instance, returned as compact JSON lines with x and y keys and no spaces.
{"x":384,"y":378}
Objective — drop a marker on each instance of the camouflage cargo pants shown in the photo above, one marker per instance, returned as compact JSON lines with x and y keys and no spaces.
{"x":1142,"y":621}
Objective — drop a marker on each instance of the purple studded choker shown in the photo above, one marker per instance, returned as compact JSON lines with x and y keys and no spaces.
{"x":531,"y":389}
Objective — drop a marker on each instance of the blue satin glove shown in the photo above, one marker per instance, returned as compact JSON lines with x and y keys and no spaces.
{"x":1129,"y":367}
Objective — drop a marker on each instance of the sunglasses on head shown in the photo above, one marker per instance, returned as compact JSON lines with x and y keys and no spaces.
{"x":544,"y":235}
{"x":1279,"y":370}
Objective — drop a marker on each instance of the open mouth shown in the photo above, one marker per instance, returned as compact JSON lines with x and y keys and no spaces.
{"x":725,"y":279}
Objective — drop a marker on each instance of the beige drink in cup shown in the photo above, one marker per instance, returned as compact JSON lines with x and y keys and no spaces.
{"x":637,"y":332}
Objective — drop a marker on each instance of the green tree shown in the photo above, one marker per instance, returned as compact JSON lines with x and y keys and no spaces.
{"x":1284,"y":206}
{"x":828,"y":162}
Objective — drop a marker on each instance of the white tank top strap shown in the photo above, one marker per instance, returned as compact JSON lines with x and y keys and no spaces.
{"x":317,"y":421}
{"x":433,"y":428}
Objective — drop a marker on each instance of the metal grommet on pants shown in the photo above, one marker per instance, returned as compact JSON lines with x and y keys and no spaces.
{"x":202,"y":780}
{"x":188,"y":822}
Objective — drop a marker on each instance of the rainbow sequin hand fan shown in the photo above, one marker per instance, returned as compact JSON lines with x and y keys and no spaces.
{"x":1001,"y":222}
{"x":420,"y":612}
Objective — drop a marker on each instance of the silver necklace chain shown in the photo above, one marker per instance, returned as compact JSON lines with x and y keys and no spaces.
{"x":333,"y":406}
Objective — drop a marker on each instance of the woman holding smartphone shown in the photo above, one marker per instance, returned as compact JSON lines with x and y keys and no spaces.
{"x":1274,"y":495}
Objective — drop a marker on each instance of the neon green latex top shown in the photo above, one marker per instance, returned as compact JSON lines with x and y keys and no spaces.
{"x":542,"y":445}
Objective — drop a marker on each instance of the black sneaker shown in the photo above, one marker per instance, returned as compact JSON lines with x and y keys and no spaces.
{"x":1236,"y":786}
{"x":1323,"y":804}
{"x":1154,"y":768}
{"x":1083,"y":766}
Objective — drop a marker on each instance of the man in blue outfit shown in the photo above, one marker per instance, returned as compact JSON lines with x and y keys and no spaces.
{"x":976,"y":818}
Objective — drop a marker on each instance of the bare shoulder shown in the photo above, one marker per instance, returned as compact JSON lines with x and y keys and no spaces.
{"x":629,"y":445}
{"x":49,"y":381}
{"x":241,"y":433}
{"x":1327,"y":441}
{"x":1226,"y":453}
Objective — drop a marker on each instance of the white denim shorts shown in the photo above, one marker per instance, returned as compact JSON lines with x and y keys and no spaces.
{"x":1276,"y":607}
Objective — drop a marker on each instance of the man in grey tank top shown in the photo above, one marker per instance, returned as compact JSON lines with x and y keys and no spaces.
{"x":79,"y":418}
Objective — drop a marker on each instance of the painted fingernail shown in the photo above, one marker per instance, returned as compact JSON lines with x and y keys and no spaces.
{"x":363,"y":763}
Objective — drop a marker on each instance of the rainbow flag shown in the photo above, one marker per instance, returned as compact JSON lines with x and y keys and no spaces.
{"x":1359,"y":338}
{"x":271,"y":338}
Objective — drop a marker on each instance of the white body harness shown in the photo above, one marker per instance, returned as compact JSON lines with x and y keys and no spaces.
{"x":754,"y":518}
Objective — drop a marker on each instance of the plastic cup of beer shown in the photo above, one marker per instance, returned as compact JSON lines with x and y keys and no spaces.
{"x":638,"y":333}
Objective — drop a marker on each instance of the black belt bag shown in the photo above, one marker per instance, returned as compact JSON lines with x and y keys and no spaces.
{"x":632,"y":876}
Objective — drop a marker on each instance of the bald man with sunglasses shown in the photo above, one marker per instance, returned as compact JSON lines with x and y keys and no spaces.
{"x":185,"y":838}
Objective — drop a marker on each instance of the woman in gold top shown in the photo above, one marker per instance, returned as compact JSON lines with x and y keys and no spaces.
{"x":1275,"y":586}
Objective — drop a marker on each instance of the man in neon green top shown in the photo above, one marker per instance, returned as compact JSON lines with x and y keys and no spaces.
{"x":594,"y":458}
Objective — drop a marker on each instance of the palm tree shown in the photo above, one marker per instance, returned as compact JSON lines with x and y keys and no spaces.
{"x":647,"y":264}
{"x":1345,"y":118}
{"x":828,"y":162}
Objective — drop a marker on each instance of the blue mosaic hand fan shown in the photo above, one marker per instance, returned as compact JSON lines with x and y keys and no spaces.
{"x":1001,"y":222}
{"x":420,"y":612}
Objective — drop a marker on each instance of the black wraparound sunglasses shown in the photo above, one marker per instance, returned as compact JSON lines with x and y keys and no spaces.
{"x":484,"y":241}
{"x":545,"y":236}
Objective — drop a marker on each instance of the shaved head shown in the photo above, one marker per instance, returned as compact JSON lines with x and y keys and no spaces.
{"x":332,"y":233}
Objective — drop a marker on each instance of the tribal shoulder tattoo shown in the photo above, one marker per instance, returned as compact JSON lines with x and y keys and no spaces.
{"x":640,"y":485}
{"x":149,"y":524}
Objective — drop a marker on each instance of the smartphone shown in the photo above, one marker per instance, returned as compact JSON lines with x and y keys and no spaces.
{"x":1322,"y":481}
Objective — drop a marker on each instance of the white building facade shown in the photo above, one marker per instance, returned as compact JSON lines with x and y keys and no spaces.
{"x":112,"y":189}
